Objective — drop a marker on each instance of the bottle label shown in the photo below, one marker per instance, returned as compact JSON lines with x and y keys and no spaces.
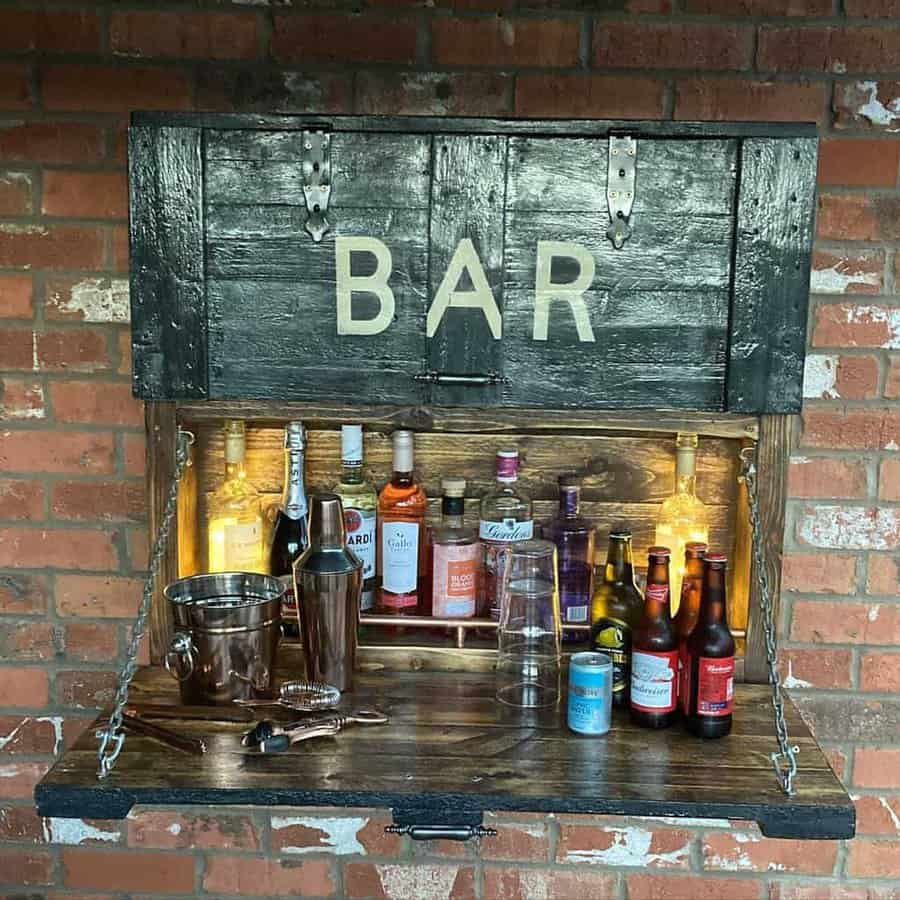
{"x":243,"y":545}
{"x":613,"y":637}
{"x":295,"y":506}
{"x":574,"y":609}
{"x":684,"y":677}
{"x":715,"y":686}
{"x":507,"y":467}
{"x":455,"y":582}
{"x":658,"y":592}
{"x":360,"y":527}
{"x":400,"y":560}
{"x":653,"y":687}
{"x":506,"y":531}
{"x":289,"y":599}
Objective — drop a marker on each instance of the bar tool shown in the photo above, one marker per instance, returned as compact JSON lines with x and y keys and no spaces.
{"x":164,"y":735}
{"x":328,"y":581}
{"x":271,"y":738}
{"x":300,"y":696}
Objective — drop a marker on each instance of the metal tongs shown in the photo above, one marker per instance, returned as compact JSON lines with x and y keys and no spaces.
{"x":269,"y":737}
{"x":300,"y":696}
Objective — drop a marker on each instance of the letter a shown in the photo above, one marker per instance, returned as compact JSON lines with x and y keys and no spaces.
{"x":465,"y":258}
{"x":376,"y":283}
{"x":572,"y":292}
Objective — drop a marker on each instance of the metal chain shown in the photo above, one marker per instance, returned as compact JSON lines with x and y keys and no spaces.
{"x":785,"y":760}
{"x":113,"y":737}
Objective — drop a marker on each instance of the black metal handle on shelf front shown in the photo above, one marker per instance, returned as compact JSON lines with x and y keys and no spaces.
{"x":442,"y":832}
{"x":474,"y":380}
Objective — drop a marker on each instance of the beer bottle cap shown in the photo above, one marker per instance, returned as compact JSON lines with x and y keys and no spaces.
{"x":719,"y":558}
{"x":659,"y":551}
{"x":695,"y":548}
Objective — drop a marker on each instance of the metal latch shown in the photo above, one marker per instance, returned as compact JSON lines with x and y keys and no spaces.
{"x":620,"y":187}
{"x":446,"y":378}
{"x":317,"y":181}
{"x":442,"y":832}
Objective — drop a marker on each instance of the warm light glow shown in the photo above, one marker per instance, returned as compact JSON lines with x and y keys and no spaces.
{"x":674,"y":534}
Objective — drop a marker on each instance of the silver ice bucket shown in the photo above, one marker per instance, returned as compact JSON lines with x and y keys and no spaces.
{"x":227,"y":627}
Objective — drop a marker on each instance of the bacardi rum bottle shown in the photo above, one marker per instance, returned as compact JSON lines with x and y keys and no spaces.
{"x":402,"y":505}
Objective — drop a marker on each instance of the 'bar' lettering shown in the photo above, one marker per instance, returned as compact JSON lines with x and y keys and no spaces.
{"x":572,"y":291}
{"x":376,"y":283}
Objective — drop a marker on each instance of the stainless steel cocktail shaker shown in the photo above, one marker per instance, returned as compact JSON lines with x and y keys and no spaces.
{"x":328,"y":582}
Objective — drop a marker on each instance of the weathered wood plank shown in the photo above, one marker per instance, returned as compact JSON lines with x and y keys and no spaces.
{"x":168,"y":309}
{"x":389,"y":171}
{"x":686,"y":178}
{"x":774,"y":230}
{"x":467,"y":222}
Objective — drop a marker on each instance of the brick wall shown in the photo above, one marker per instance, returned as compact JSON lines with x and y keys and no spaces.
{"x":72,"y":534}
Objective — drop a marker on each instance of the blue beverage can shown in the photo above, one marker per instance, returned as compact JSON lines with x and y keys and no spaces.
{"x":590,"y":692}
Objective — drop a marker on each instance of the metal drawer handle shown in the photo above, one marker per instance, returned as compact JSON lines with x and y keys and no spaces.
{"x":443,"y":378}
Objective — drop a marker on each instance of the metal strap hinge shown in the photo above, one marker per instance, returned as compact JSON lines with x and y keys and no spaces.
{"x":316,"y":167}
{"x":620,"y":181}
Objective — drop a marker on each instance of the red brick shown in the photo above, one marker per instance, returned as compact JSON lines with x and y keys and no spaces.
{"x":85,"y":689}
{"x":434,"y":93}
{"x":892,"y":382}
{"x":851,"y":429}
{"x":110,"y":501}
{"x":834,"y":527}
{"x":15,"y":90}
{"x":15,"y":194}
{"x":876,"y":767}
{"x":39,"y":548}
{"x":163,"y":873}
{"x":874,"y":859}
{"x":827,"y":49}
{"x":97,"y":596}
{"x":761,"y":7}
{"x":859,"y":162}
{"x":855,"y":377}
{"x":19,"y":779}
{"x":323,"y":37}
{"x":51,"y":142}
{"x":825,"y":890}
{"x":85,"y":195}
{"x":20,"y":499}
{"x":134,"y":450}
{"x":733,"y":852}
{"x":818,"y":573}
{"x":92,"y":641}
{"x":26,"y":867}
{"x":26,"y":686}
{"x":521,"y":883}
{"x":205,"y":35}
{"x":44,"y":451}
{"x":27,"y":641}
{"x":90,"y":299}
{"x":847,"y":273}
{"x":880,"y":672}
{"x":119,"y":241}
{"x":652,"y":45}
{"x":96,"y":403}
{"x":21,"y":824}
{"x":625,"y":846}
{"x":73,"y":350}
{"x":822,"y":622}
{"x":28,"y":735}
{"x":877,"y":815}
{"x":817,"y":668}
{"x":515,"y":841}
{"x":868,"y":103}
{"x":21,"y":399}
{"x":837,"y":759}
{"x":735,"y":100}
{"x":858,"y":217}
{"x":577,"y":95}
{"x":51,"y":246}
{"x":824,"y":476}
{"x":692,"y":887}
{"x":123,"y":340}
{"x":250,"y":875}
{"x":173,"y":830}
{"x":856,"y":325}
{"x":16,"y":351}
{"x":59,"y":30}
{"x":504,"y":41}
{"x":15,"y":294}
{"x":889,"y":479}
{"x":401,"y":882}
{"x":883,"y":575}
{"x":23,"y":594}
{"x":138,"y":541}
{"x":114,"y":88}
{"x":299,"y":831}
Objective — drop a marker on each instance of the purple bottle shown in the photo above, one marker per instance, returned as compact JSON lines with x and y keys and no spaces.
{"x":574,"y":539}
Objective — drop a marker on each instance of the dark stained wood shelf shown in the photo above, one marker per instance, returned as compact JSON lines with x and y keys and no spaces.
{"x":450,"y":752}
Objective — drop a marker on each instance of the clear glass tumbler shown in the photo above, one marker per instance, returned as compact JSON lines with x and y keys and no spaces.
{"x":528,"y":659}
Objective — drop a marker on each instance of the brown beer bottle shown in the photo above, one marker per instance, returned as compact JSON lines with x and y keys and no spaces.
{"x":709,"y":682}
{"x":616,"y":611}
{"x":654,"y":658}
{"x":689,"y":607}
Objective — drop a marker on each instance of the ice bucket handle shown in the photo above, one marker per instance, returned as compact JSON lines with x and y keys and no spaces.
{"x":180,"y":656}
